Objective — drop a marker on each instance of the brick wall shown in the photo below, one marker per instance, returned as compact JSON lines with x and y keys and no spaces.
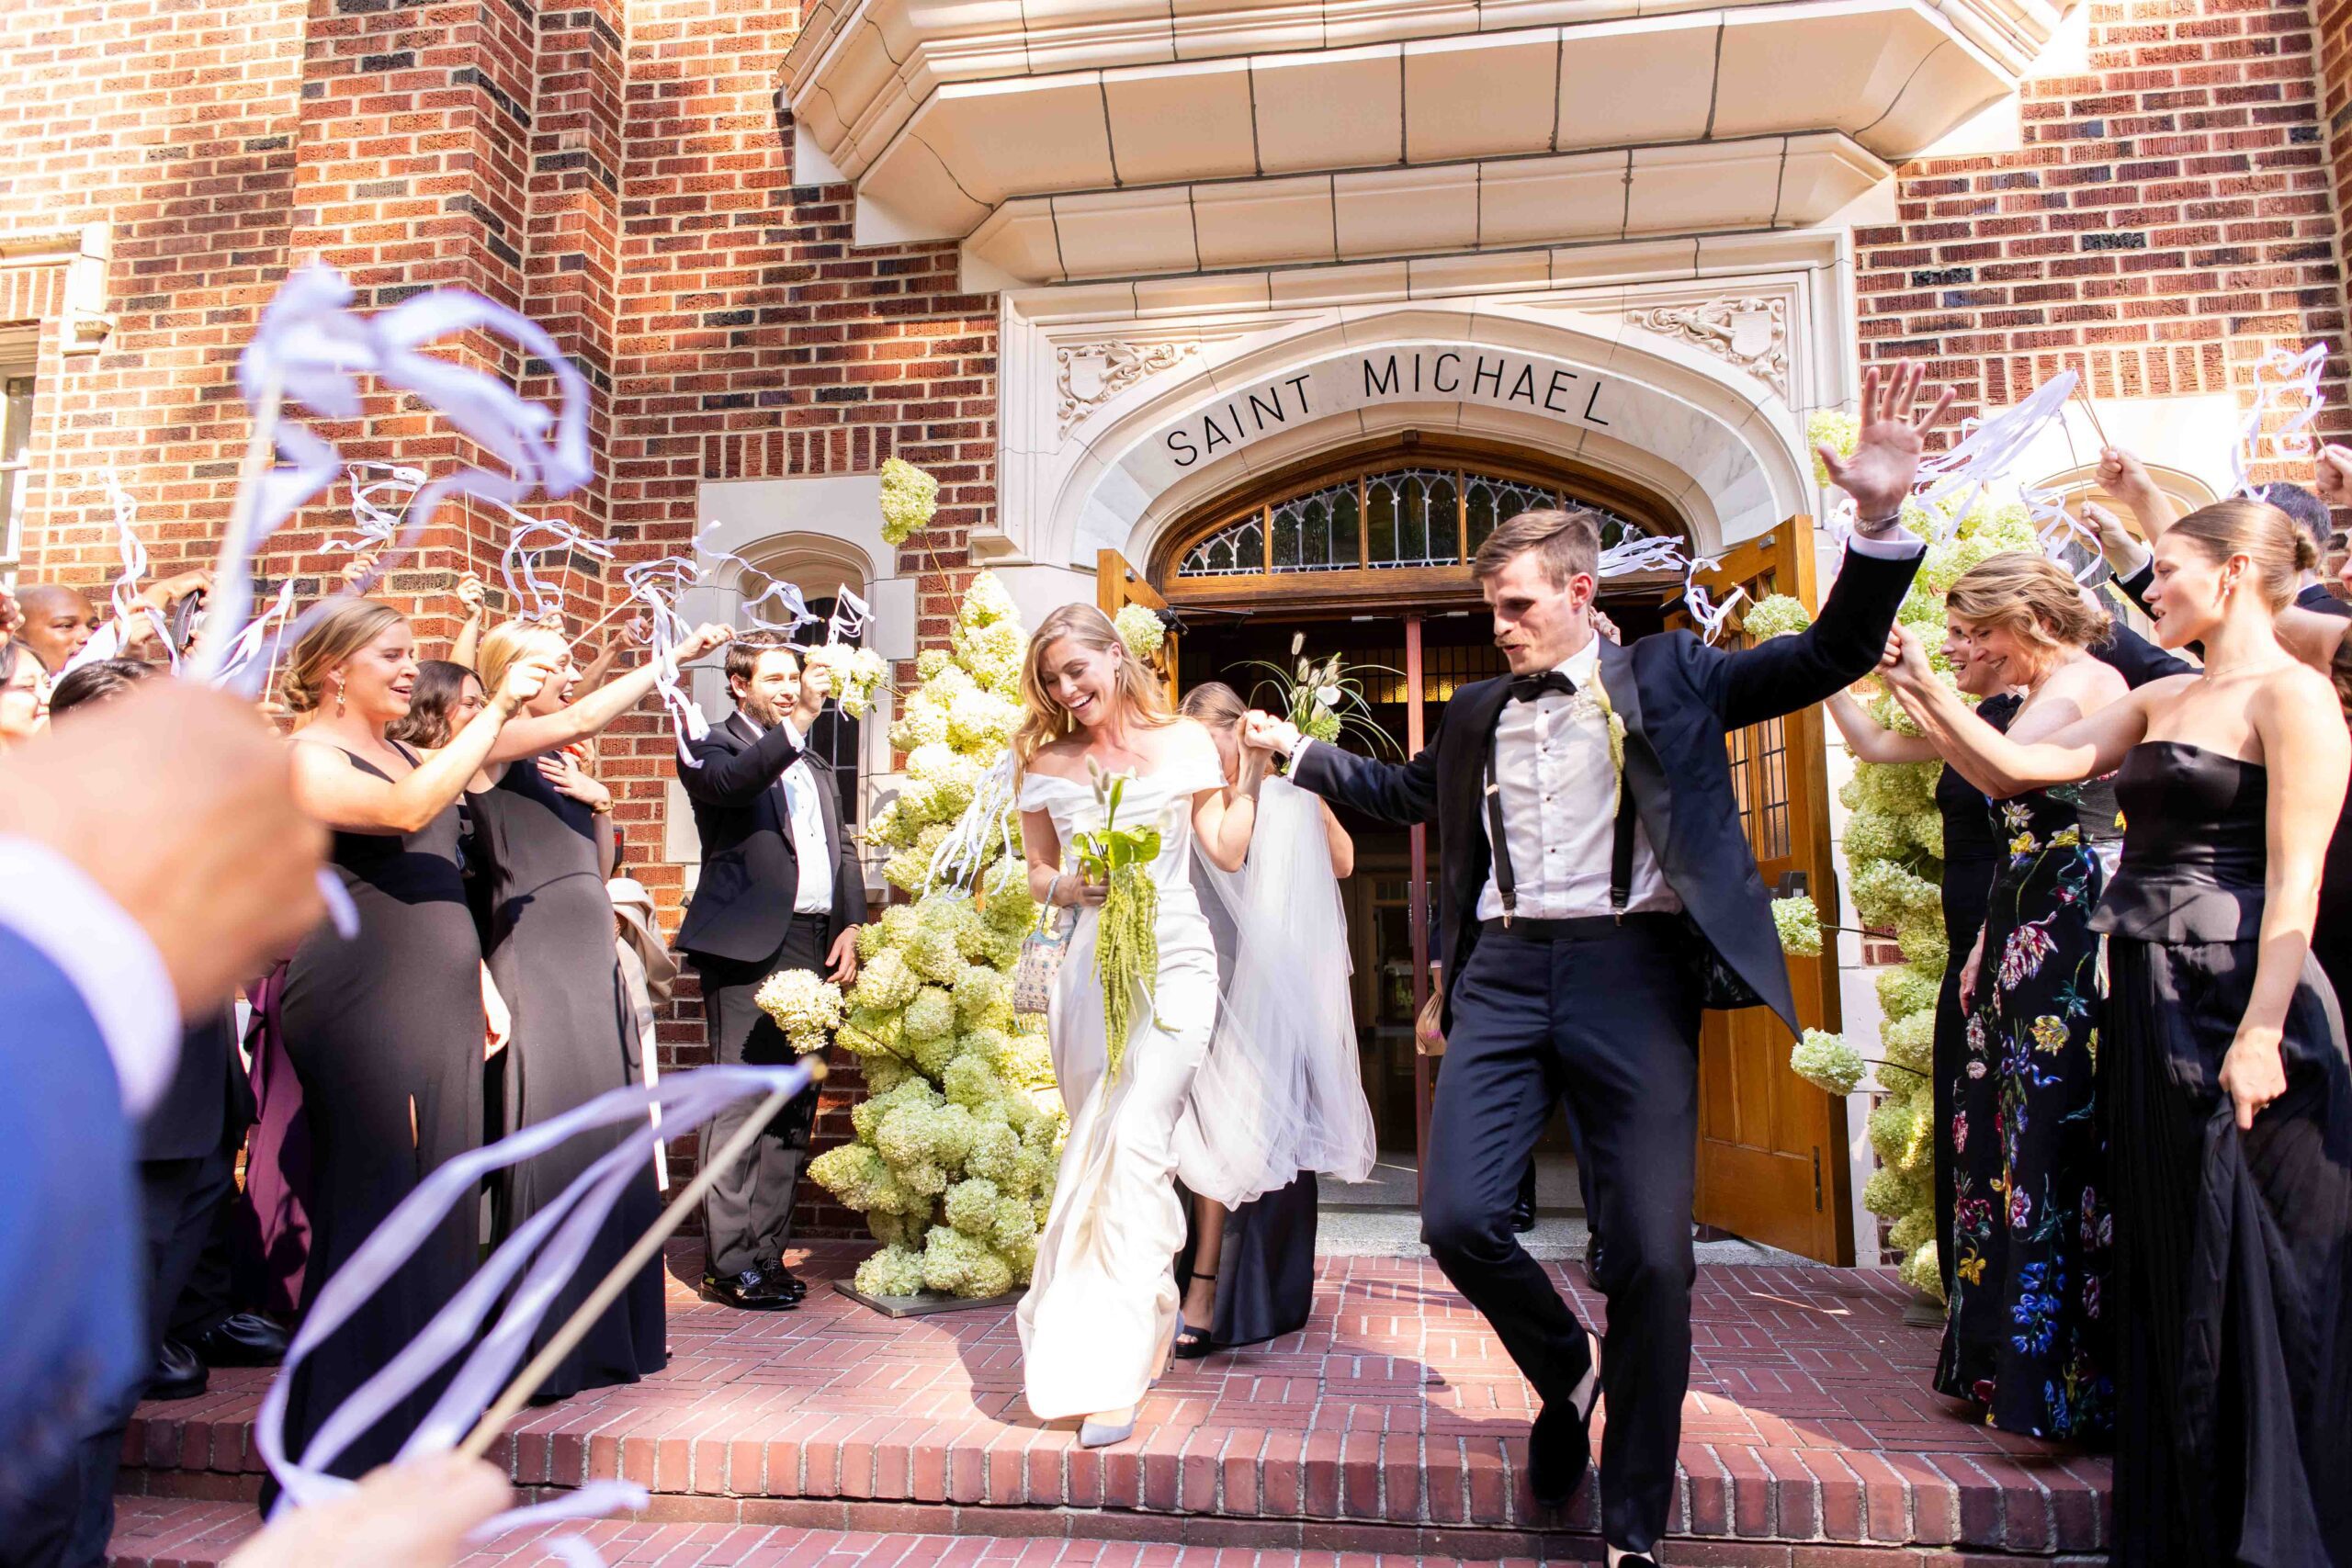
{"x":2172,"y":217}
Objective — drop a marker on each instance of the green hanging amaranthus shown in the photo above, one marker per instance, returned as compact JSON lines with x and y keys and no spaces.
{"x":1126,"y":932}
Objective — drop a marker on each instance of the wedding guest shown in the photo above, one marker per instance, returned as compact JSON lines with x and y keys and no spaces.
{"x":545,"y":832}
{"x":132,"y":898}
{"x":58,"y":622}
{"x":2124,"y":477}
{"x":385,"y":1031}
{"x":1259,"y":1283}
{"x":780,"y":888}
{"x":2227,"y":1097}
{"x":24,"y":695}
{"x":1970,"y":859}
{"x":447,"y":698}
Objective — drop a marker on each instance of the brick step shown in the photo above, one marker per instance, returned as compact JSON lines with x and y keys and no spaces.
{"x":1393,"y":1423}
{"x":157,"y":1532}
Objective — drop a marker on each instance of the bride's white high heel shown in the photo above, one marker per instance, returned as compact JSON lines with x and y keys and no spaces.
{"x":1105,"y":1428}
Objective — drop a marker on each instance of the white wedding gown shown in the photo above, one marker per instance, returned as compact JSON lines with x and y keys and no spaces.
{"x":1102,"y":1303}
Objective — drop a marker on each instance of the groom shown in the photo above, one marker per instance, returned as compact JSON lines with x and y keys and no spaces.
{"x":1572,"y":947}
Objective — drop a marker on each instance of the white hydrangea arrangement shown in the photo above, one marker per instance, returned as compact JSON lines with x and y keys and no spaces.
{"x":1798,"y":922}
{"x":957,"y":1144}
{"x":1828,"y":1061}
{"x":1141,"y":630}
{"x":1895,"y":846}
{"x":910,"y":497}
{"x":1776,"y":615}
{"x":804,"y":1005}
{"x":1834,"y":428}
{"x":856,"y":673}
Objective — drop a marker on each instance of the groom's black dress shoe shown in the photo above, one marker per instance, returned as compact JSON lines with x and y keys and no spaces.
{"x":748,"y":1291}
{"x":243,"y":1339}
{"x":783,"y":1281}
{"x":1559,"y":1445}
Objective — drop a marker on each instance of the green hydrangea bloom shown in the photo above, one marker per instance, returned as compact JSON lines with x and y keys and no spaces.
{"x":1776,"y":615}
{"x":1922,"y":940}
{"x":893,"y":1271}
{"x":931,"y":1014}
{"x":1902,"y":988}
{"x":957,"y":1265}
{"x":1899,"y":789}
{"x":921,"y":721}
{"x":1873,"y":836}
{"x":1799,"y":924}
{"x":1891,"y":1191}
{"x":886,"y":984}
{"x":1886,"y":893}
{"x":971,"y":1206}
{"x":995,"y":1154}
{"x":1895,"y":1122}
{"x":1927,"y":830}
{"x":1905,"y":1233}
{"x":1835,"y":429}
{"x":930,"y":662}
{"x":1828,"y":1061}
{"x":884,"y":1074}
{"x":1922,"y":1273}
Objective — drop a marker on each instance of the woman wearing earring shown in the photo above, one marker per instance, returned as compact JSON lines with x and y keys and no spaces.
{"x":385,"y":1031}
{"x":1284,"y":1051}
{"x":2227,"y":1097}
{"x":1103,"y":1305}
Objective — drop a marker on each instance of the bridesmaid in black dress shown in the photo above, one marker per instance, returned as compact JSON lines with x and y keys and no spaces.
{"x":386,"y":1030}
{"x":545,"y":835}
{"x":1970,"y":859}
{"x":2228,"y":1094}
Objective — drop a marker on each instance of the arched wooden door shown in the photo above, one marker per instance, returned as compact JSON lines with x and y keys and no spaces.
{"x":1773,"y":1164}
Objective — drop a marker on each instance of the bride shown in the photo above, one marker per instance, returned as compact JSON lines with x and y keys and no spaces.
{"x":1103,"y":1305}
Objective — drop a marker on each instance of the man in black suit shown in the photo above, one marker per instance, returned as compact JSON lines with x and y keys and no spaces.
{"x":1573,"y":937}
{"x":781,"y":888}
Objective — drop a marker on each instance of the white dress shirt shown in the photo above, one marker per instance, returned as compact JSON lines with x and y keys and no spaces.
{"x":52,"y":904}
{"x":798,"y":782}
{"x":1558,"y":785}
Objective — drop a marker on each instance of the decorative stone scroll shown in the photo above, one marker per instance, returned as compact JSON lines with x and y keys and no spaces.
{"x":1091,"y":374}
{"x":1751,"y":334}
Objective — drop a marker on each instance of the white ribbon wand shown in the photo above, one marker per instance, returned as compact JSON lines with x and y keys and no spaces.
{"x":2280,"y":372}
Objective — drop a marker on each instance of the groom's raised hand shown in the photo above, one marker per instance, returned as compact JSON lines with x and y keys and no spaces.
{"x":1267,"y":733}
{"x":1886,"y":450}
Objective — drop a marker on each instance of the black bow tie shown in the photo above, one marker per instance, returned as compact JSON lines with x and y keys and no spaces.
{"x":1527,"y":688}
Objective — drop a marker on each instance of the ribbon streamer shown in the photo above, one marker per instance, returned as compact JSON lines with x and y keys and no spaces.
{"x":544,"y":1253}
{"x":2281,"y":373}
{"x":1986,"y":452}
{"x":986,"y":824}
{"x":124,"y":595}
{"x":310,"y":347}
{"x":850,"y":618}
{"x":376,"y":522}
{"x":534,"y":596}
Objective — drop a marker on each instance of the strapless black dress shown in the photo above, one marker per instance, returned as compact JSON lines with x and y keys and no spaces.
{"x":2233,"y":1268}
{"x":1972,"y":858}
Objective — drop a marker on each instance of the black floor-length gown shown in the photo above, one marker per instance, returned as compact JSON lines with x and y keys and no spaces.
{"x":2024,"y":1331}
{"x":1265,"y":1265}
{"x":2234,"y":1251}
{"x":385,"y":1033}
{"x":1971,"y":860}
{"x":551,"y":940}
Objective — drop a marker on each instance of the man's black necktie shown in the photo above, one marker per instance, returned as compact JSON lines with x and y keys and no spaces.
{"x":1527,"y":688}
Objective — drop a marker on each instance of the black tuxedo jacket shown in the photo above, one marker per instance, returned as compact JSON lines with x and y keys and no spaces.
{"x":210,"y":1100}
{"x":751,"y":867}
{"x":1677,"y":697}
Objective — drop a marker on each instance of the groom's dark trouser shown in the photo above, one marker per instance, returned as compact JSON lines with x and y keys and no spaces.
{"x":747,"y":1214}
{"x":1608,"y":1022}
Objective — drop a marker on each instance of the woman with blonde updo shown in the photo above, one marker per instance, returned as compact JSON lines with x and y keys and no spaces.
{"x":543,"y":833}
{"x":1102,"y":1306}
{"x":2226,"y":1097}
{"x":2024,"y":1335}
{"x":385,"y":1030}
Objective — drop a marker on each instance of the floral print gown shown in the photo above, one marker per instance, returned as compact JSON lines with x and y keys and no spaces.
{"x":2030,"y":1227}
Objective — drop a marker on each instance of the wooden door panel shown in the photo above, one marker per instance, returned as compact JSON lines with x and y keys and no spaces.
{"x":1771,"y":1160}
{"x":1118,"y":585}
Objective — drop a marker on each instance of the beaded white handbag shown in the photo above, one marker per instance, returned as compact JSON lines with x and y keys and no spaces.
{"x":1041,"y":959}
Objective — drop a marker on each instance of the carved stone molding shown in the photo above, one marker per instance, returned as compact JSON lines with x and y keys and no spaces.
{"x":1090,"y":374}
{"x":1751,"y":333}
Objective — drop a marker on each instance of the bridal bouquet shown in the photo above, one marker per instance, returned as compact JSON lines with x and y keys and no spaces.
{"x":1126,"y":941}
{"x":1325,"y":700}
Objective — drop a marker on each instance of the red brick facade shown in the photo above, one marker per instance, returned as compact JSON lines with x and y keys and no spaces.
{"x":622,"y":171}
{"x":2172,"y":217}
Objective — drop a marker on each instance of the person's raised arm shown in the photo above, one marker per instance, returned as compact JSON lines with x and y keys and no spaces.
{"x":475,"y":597}
{"x":2124,"y":477}
{"x":533,"y":733}
{"x":1998,"y":764}
{"x":734,"y":779}
{"x":1871,"y":741}
{"x":329,"y":789}
{"x":1403,"y":793}
{"x":2312,"y":637}
{"x":2305,"y":753}
{"x":1224,"y":819}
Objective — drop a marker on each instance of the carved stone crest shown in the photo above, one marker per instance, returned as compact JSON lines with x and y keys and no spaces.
{"x":1752,"y":334}
{"x":1093,"y":373}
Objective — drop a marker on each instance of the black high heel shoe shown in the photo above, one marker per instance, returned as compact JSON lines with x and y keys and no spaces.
{"x":1192,"y":1343}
